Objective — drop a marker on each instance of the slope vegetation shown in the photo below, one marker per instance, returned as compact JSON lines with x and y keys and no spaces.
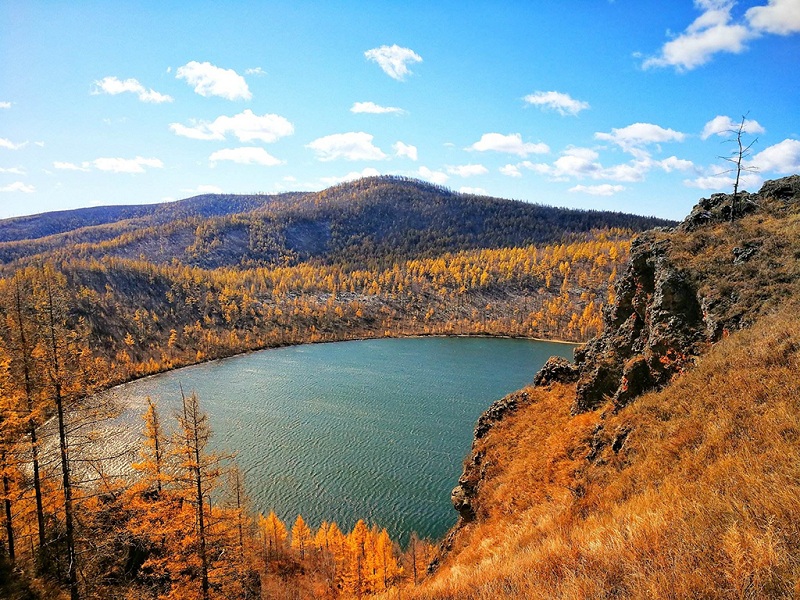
{"x":590,"y":486}
{"x":367,"y":223}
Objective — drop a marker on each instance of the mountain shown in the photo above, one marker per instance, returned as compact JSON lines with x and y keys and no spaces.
{"x":665,"y":462}
{"x":364,"y":223}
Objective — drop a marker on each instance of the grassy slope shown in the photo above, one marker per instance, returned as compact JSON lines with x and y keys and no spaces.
{"x":702,"y":499}
{"x":693,"y":491}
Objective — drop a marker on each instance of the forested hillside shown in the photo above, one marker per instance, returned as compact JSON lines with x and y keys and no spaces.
{"x":369,"y":223}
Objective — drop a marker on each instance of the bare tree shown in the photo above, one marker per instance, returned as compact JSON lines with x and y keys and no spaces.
{"x":738,"y":158}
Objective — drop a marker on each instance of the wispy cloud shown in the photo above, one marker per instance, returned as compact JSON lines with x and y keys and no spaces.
{"x":510,"y":144}
{"x":472,"y":190}
{"x":4,"y":143}
{"x":13,"y":170}
{"x":203,"y":189}
{"x":126,"y":165}
{"x":114,"y":86}
{"x":558,"y":101}
{"x":466,"y":170}
{"x":68,"y":166}
{"x":246,"y":126}
{"x":348,"y":146}
{"x":640,"y":134}
{"x":604,"y":189}
{"x":404,"y":150}
{"x":249,"y":155}
{"x":375,"y":109}
{"x":724,"y":126}
{"x":5,"y":104}
{"x":352,"y":176}
{"x":18,"y":186}
{"x":584,"y":163}
{"x":433,"y":176}
{"x":717,"y":182}
{"x":394,"y":60}
{"x":255,"y":71}
{"x":210,"y":80}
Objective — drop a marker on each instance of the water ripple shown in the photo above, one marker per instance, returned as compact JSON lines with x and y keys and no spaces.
{"x":374,"y":429}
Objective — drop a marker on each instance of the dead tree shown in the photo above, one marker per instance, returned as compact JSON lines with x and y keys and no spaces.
{"x":738,"y":158}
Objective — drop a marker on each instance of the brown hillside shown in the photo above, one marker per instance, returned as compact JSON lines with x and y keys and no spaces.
{"x":689,"y":492}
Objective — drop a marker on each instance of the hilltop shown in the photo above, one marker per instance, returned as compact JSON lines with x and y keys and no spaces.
{"x":664,"y":463}
{"x":365,"y":223}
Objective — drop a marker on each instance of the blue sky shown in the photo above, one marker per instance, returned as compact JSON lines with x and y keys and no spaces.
{"x":620,"y":105}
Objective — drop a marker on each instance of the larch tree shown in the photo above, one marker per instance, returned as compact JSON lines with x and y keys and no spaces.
{"x":274,"y":534}
{"x":301,"y":536}
{"x":19,"y":330}
{"x":202,"y":470}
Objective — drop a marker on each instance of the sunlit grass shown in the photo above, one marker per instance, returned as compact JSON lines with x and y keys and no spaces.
{"x":702,"y":500}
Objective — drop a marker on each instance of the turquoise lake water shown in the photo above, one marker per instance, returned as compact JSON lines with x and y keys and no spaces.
{"x":372,"y":429}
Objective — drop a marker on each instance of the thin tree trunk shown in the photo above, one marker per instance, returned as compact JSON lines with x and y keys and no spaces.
{"x":195,"y":448}
{"x":64,"y":449}
{"x":26,"y":370}
{"x":9,"y":516}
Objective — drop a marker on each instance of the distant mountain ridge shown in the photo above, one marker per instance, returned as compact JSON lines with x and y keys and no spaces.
{"x":368,"y":221}
{"x":206,"y":205}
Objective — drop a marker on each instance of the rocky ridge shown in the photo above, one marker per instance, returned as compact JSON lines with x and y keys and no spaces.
{"x":683,"y":289}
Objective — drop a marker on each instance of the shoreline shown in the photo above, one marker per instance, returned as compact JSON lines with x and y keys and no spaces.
{"x":362,"y":338}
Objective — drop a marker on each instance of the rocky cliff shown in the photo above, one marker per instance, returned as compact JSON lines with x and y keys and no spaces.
{"x":683,"y":290}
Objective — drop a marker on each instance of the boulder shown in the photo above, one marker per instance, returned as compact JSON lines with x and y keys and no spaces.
{"x":556,"y":370}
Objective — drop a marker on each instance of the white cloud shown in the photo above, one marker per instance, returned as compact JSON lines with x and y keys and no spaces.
{"x":375,"y":109}
{"x":640,"y":134}
{"x":248,"y":155}
{"x":563,"y":103}
{"x":13,"y":170}
{"x":467,"y":170}
{"x":724,"y":126}
{"x":5,"y":104}
{"x":722,"y":182}
{"x":628,"y":172}
{"x":114,"y":86}
{"x":511,"y":171}
{"x":405,"y":150}
{"x":125,"y":165}
{"x":204,"y":189}
{"x":246,"y":126}
{"x":673,"y":163}
{"x":580,"y":163}
{"x":782,"y":158}
{"x":394,"y":60}
{"x":210,"y":80}
{"x":348,"y":146}
{"x":473,"y":190}
{"x":605,"y":189}
{"x":255,"y":71}
{"x":511,"y":144}
{"x":4,"y":143}
{"x":433,"y":176}
{"x":781,"y":17}
{"x":712,"y":32}
{"x":576,"y":162}
{"x":68,"y":166}
{"x":352,"y":176}
{"x":18,"y":186}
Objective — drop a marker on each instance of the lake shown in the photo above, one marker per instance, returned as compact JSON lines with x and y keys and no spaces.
{"x":373,"y":429}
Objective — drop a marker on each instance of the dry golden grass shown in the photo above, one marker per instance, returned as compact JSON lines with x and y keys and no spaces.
{"x":701,"y":499}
